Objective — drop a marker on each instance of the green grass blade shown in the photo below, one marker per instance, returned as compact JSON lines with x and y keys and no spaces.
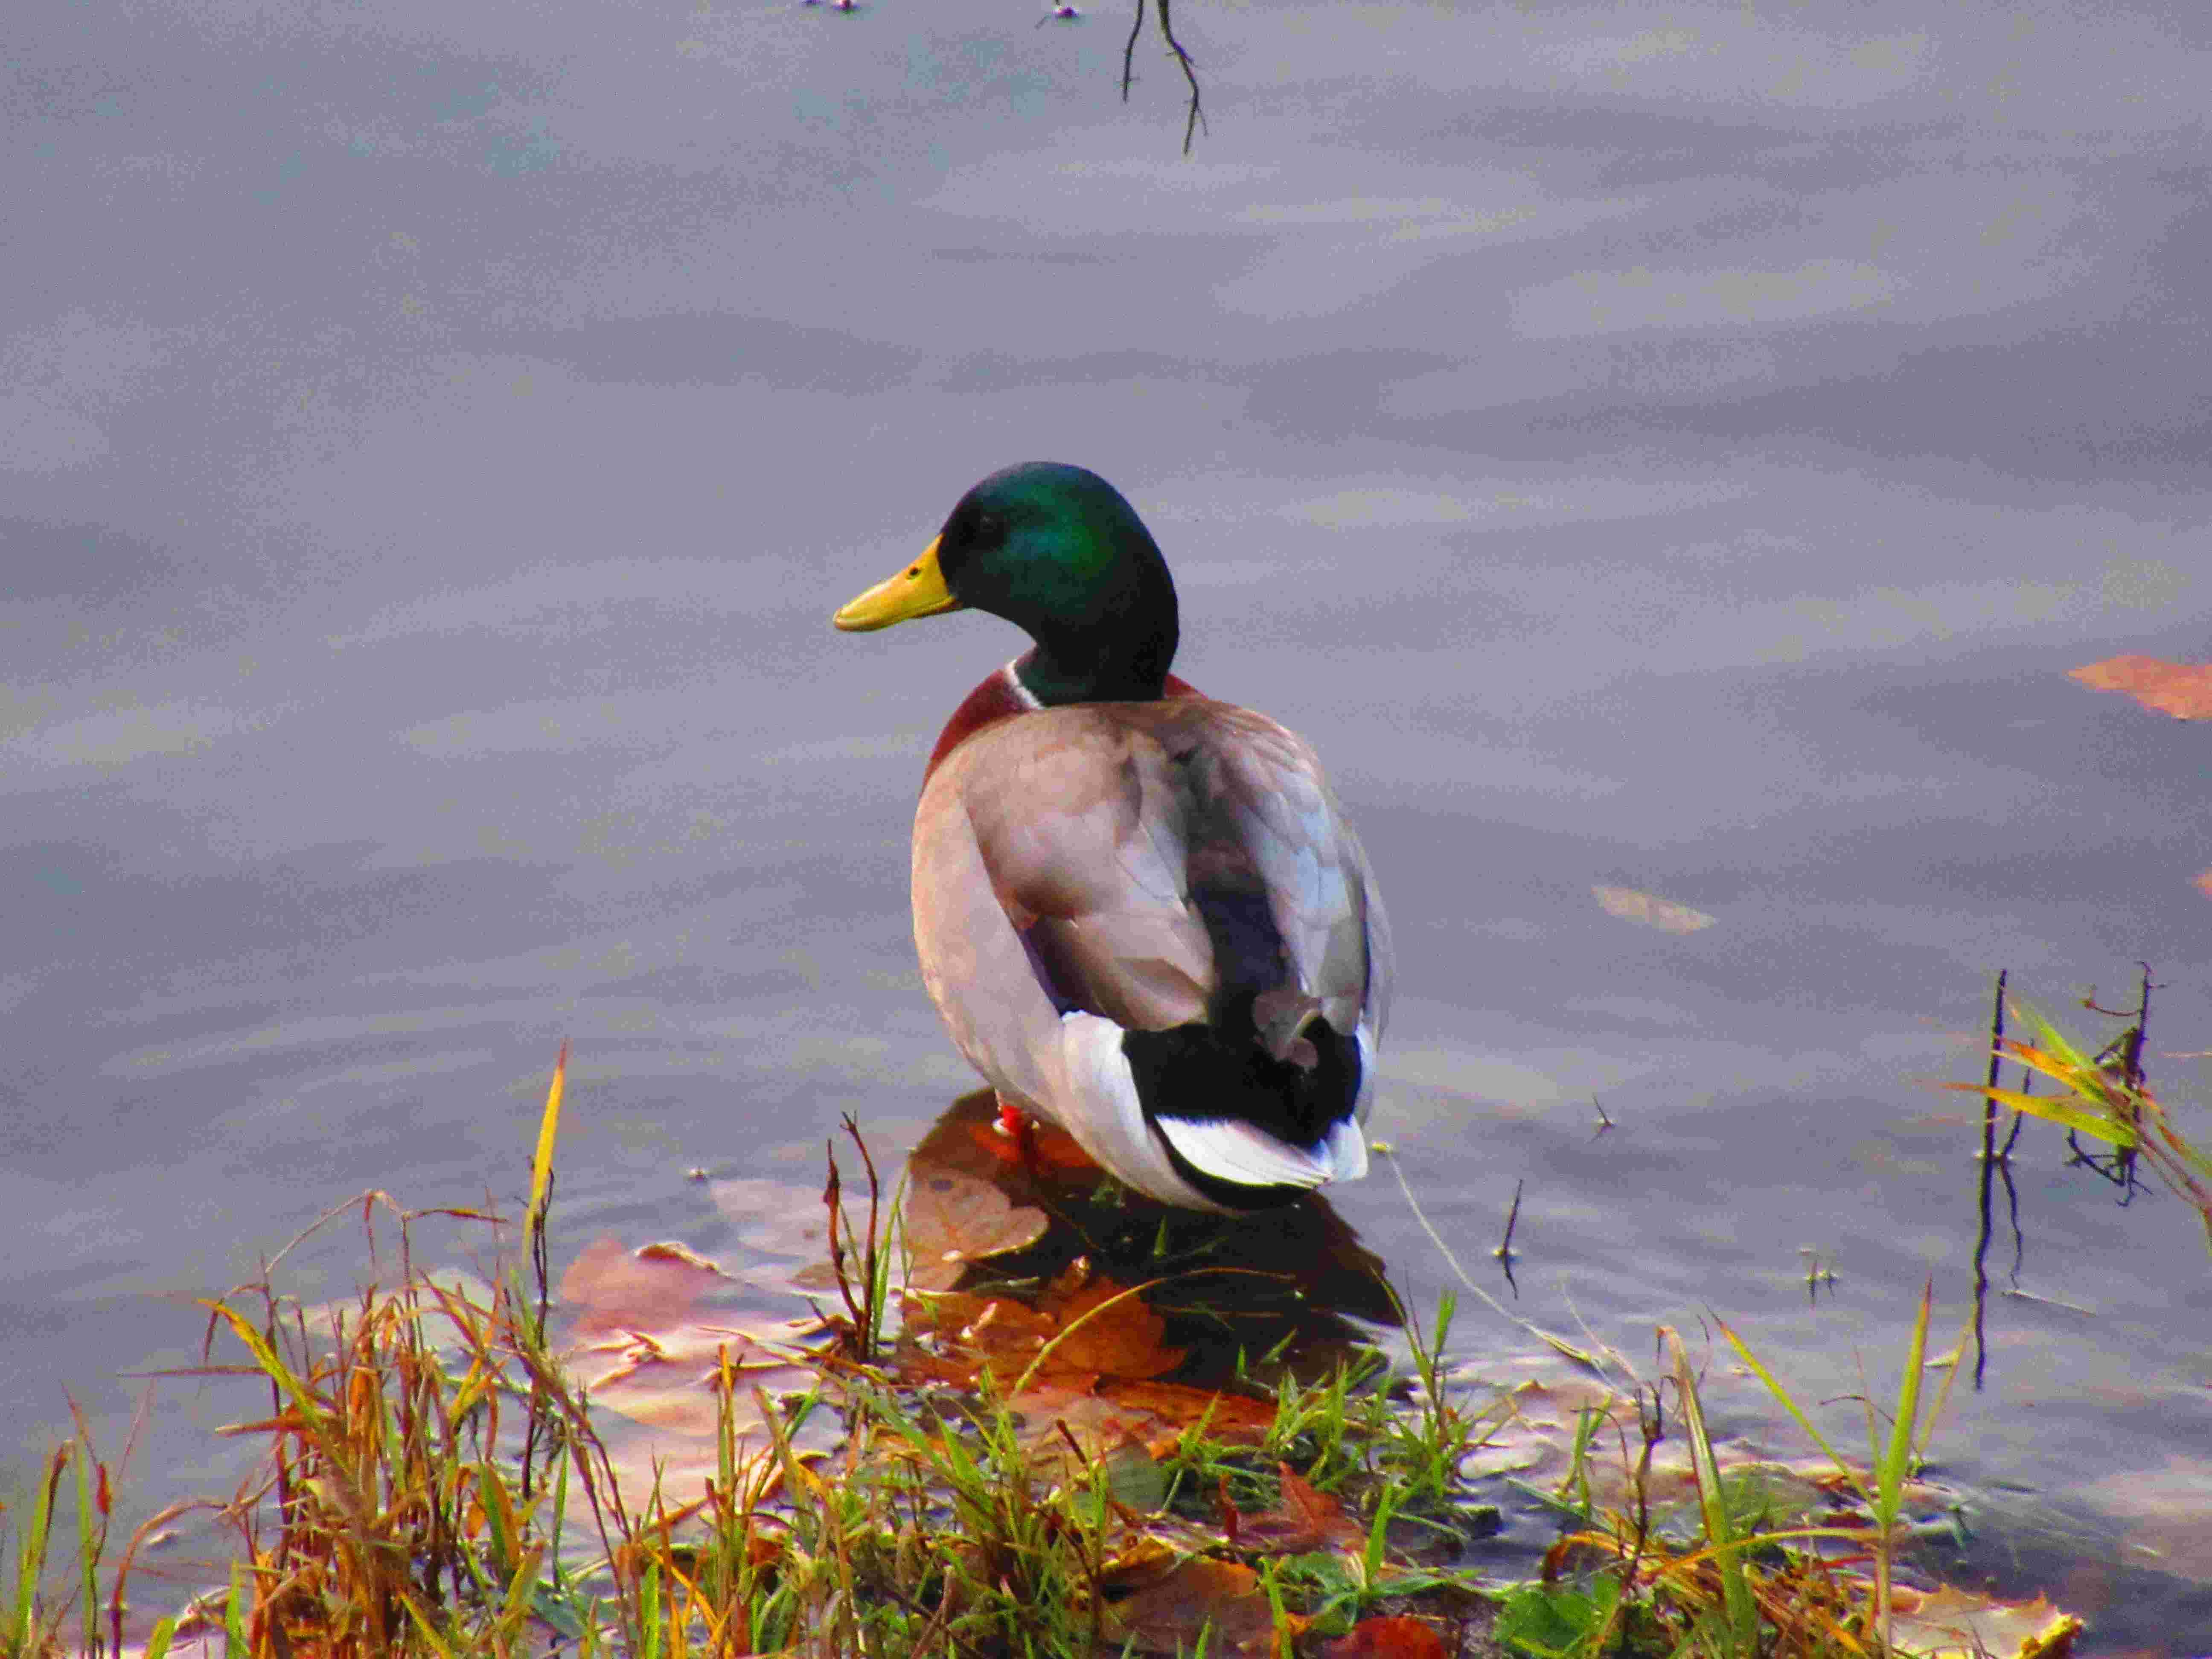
{"x":234,"y":1616}
{"x":31,"y":1550}
{"x":1774,"y":1387}
{"x":2083,"y":1119}
{"x":317,"y":1420}
{"x":648,"y":1602}
{"x":1720,"y":1527}
{"x":88,"y":1554}
{"x":1897,"y":1455}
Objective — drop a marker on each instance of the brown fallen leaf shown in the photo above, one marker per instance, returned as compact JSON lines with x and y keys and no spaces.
{"x":2183,"y":690}
{"x":1167,"y":1613}
{"x":1304,"y":1520}
{"x":1394,"y":1638}
{"x":952,"y":1219}
{"x":1650,"y":909}
{"x":1086,"y":1326}
{"x":1105,"y":1414}
{"x":1097,"y":1425}
{"x":1176,"y":1406}
{"x":1106,"y":1330}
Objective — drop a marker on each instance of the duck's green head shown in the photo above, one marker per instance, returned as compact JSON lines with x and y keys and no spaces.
{"x":1056,"y":551}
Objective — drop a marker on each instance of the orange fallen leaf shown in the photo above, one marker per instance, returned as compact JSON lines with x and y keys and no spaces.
{"x":1394,"y":1637}
{"x":1108,"y":1332}
{"x":1086,"y":1326}
{"x":2203,"y":882}
{"x":2183,"y":690}
{"x":975,"y":1331}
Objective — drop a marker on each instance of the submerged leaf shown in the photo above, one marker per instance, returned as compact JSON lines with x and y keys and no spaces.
{"x":618,"y":1289}
{"x":1304,"y":1520}
{"x":1169,"y":1612}
{"x":1650,"y":909}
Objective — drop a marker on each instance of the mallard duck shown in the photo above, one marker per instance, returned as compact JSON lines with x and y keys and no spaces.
{"x":1140,"y":912}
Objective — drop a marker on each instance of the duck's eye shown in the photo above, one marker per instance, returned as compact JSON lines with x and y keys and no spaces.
{"x":912,"y":571}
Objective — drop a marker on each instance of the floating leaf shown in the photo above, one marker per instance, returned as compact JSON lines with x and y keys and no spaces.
{"x":1954,"y":1623}
{"x":2183,"y":690}
{"x":1650,"y":909}
{"x":653,"y":1327}
{"x":952,"y":1219}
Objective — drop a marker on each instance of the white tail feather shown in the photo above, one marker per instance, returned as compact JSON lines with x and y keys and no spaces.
{"x":1230,"y":1149}
{"x":1347,"y":1150}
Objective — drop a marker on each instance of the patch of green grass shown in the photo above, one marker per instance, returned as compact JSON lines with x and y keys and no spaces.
{"x":435,"y":1484}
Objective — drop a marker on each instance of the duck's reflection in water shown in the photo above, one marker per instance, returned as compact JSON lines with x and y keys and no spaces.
{"x":994,"y":1228}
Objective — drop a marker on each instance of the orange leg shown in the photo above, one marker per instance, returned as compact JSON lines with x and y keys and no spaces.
{"x":1014,"y":1123}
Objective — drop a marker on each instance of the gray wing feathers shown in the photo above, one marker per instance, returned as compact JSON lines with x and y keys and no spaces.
{"x":1308,"y":863}
{"x":1165,"y":817}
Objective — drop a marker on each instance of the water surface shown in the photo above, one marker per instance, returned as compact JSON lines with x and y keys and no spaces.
{"x":1678,"y":450}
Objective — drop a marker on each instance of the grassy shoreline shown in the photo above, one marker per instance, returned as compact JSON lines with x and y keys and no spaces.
{"x":1001,"y":1459}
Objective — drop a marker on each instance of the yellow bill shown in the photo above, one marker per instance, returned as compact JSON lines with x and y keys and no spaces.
{"x":917,"y":591}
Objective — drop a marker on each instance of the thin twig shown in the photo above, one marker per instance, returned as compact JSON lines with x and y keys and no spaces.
{"x":2122,"y":1057}
{"x":1557,"y":1344}
{"x":1988,"y":1178}
{"x":1195,"y":119}
{"x":2012,"y":1190}
{"x":1505,"y":1250}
